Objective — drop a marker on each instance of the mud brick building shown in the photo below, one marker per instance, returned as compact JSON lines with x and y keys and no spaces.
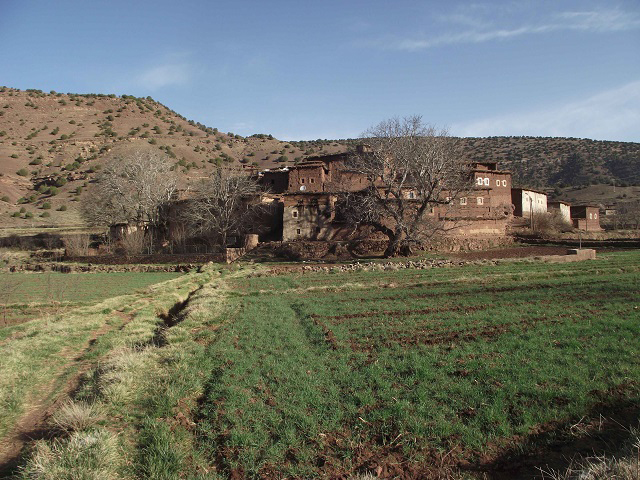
{"x":527,"y":202}
{"x":586,"y":217}
{"x":309,"y":195}
{"x":563,"y":209}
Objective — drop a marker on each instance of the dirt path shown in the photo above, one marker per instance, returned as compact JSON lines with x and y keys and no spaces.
{"x":33,"y":423}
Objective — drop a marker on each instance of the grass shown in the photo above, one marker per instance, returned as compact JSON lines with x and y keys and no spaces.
{"x":345,"y":374}
{"x":337,"y":368}
{"x":24,"y":296}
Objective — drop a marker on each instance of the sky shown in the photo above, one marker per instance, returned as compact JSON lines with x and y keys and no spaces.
{"x":302,"y":70}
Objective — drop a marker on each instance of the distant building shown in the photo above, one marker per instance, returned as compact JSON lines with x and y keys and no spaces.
{"x":563,"y":209}
{"x":586,"y":217}
{"x":527,"y":202}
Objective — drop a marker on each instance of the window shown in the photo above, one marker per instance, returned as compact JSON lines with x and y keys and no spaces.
{"x":463,"y":200}
{"x":312,"y":180}
{"x":302,"y":180}
{"x":486,"y":182}
{"x":298,"y":231}
{"x":295,"y":214}
{"x":591,"y":216}
{"x":448,"y":199}
{"x":497,"y":183}
{"x":504,"y":183}
{"x":595,"y":215}
{"x":480,"y":201}
{"x":479,"y":181}
{"x":412,"y":195}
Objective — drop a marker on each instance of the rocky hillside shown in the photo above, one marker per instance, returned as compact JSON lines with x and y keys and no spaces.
{"x":549,"y":162}
{"x":52,"y":144}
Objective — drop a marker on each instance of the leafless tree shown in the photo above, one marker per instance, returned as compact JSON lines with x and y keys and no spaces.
{"x":628,"y":214}
{"x":77,"y":245}
{"x":224,"y":206}
{"x":411,"y":169}
{"x":131,"y":188}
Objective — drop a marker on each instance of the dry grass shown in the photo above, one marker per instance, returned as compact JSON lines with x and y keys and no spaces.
{"x":625,"y":466}
{"x":76,"y":416}
{"x":83,"y":455}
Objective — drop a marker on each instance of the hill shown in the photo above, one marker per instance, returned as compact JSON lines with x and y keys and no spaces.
{"x":52,"y":144}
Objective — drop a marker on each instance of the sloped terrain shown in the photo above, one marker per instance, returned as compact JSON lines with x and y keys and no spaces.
{"x":53,"y":144}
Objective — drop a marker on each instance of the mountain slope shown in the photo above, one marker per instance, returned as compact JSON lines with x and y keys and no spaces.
{"x":52,"y":145}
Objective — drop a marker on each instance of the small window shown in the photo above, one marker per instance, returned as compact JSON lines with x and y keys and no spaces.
{"x":486,"y":182}
{"x":497,"y":183}
{"x":480,"y":201}
{"x":504,"y":183}
{"x":302,"y":180}
{"x":298,"y":231}
{"x":479,"y":181}
{"x":463,"y":200}
{"x":312,"y":180}
{"x":591,"y":216}
{"x":432,"y":210}
{"x":295,"y":214}
{"x":449,"y":200}
{"x":412,"y":195}
{"x":595,"y":215}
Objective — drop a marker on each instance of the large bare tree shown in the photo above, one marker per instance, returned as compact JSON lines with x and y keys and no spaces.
{"x":132,"y":188}
{"x":223,"y":206}
{"x":411,"y":169}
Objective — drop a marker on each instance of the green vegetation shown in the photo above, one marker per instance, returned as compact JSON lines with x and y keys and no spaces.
{"x":339,"y":372}
{"x":24,"y":296}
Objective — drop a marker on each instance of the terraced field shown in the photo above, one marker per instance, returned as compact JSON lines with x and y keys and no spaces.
{"x":493,"y":370}
{"x":402,"y":371}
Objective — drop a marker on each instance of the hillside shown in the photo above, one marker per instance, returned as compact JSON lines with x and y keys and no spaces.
{"x":52,"y":144}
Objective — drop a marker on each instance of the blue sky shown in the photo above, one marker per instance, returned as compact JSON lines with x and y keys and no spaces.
{"x":304,"y":70}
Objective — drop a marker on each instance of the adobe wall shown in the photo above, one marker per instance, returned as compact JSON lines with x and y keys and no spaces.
{"x":305,"y":178}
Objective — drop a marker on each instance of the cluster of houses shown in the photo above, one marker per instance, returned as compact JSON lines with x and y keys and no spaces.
{"x":303,"y":202}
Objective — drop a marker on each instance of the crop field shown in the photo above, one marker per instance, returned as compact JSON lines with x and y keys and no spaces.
{"x":401,"y":370}
{"x":498,"y":369}
{"x":24,"y":296}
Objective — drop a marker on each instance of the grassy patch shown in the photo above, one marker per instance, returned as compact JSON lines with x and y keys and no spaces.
{"x":403,"y":365}
{"x":27,"y":295}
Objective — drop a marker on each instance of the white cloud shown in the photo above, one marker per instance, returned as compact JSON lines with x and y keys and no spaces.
{"x":164,"y":75}
{"x":610,"y":115}
{"x":481,"y":28}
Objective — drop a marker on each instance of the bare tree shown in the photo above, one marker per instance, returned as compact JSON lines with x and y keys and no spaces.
{"x":132,"y":188}
{"x":411,"y":169}
{"x":224,"y":206}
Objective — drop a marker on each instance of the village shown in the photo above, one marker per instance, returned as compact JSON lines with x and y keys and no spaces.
{"x":304,"y":203}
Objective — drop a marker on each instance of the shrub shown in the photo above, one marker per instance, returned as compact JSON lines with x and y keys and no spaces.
{"x":14,"y":155}
{"x":5,"y":199}
{"x":62,"y":208}
{"x":28,"y":215}
{"x":46,"y":206}
{"x":45,"y":215}
{"x":23,"y":172}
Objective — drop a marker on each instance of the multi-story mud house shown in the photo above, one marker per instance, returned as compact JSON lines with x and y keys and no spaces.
{"x":310,"y":191}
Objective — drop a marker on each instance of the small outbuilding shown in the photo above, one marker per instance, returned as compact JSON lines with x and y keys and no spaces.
{"x":586,"y":217}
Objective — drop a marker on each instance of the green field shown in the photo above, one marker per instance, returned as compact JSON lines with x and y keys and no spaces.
{"x":28,"y":295}
{"x":341,"y":370}
{"x":423,"y":373}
